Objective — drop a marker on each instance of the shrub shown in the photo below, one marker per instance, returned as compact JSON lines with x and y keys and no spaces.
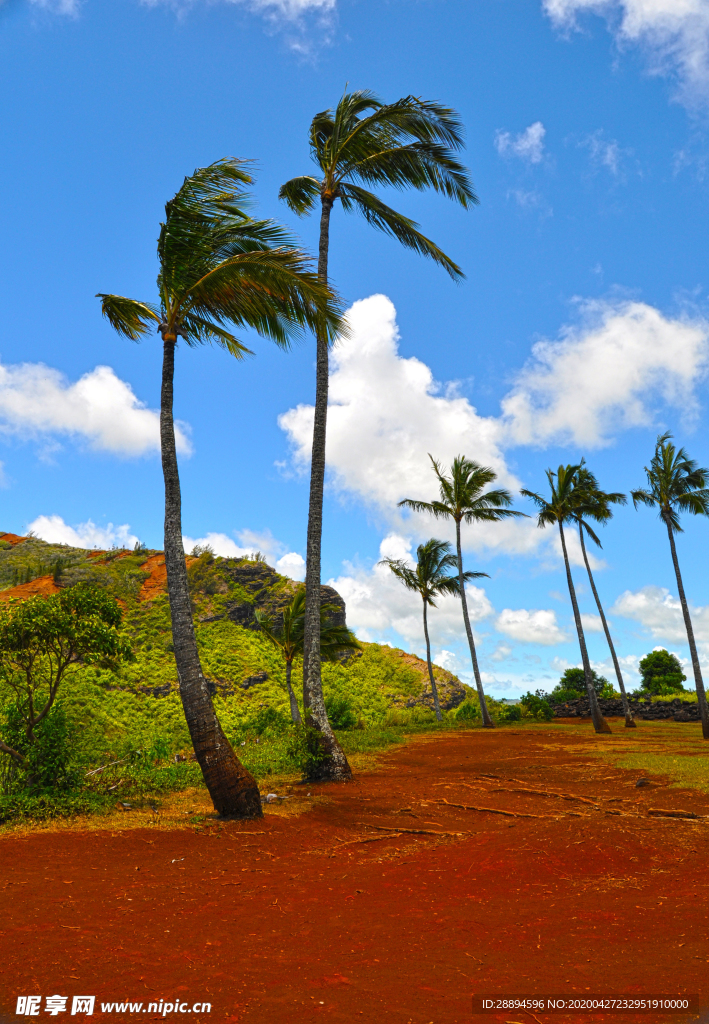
{"x":572,"y":685}
{"x":468,"y":711}
{"x":537,"y":705}
{"x":340,"y":712}
{"x":510,"y":713}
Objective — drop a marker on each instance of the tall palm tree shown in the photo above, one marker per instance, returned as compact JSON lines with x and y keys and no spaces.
{"x":596,"y":504}
{"x":288,"y":639}
{"x":676,"y":484}
{"x":407,"y":144}
{"x":462,"y":500}
{"x":429,"y":579}
{"x":560,"y":509}
{"x":218,"y":266}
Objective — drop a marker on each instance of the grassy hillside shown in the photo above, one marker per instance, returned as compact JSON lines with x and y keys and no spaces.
{"x":139,"y":705}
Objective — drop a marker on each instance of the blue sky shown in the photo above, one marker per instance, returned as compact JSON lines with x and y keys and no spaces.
{"x":581,"y":329}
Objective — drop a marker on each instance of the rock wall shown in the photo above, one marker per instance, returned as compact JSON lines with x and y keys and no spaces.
{"x":677,"y":710}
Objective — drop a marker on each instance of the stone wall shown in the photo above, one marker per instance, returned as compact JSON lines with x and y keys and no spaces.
{"x":677,"y":710}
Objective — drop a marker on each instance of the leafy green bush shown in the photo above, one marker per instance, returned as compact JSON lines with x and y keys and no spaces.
{"x":537,"y":706}
{"x":661,"y":673}
{"x":572,"y":685}
{"x":510,"y":713}
{"x":340,"y":711}
{"x":468,"y":711}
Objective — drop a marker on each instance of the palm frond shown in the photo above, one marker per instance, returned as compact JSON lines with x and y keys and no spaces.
{"x":129,"y":317}
{"x":642,"y":497}
{"x":300,"y":194}
{"x":418,"y":165}
{"x":198,"y":331}
{"x":434,"y":508}
{"x":405,"y":230}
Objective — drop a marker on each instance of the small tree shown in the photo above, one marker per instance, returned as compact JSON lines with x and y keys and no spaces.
{"x":572,"y":685}
{"x":661,"y":672}
{"x":42,"y":639}
{"x":289,"y":639}
{"x":429,"y":578}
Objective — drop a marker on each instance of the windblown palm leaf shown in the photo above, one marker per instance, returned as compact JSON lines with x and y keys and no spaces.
{"x":407,"y":144}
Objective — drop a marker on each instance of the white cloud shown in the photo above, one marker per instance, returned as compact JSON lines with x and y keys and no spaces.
{"x":527,"y":145}
{"x":591,"y":623}
{"x":291,"y":564}
{"x":604,"y":152}
{"x":674,"y":34}
{"x":397,"y":413}
{"x":378,"y":604}
{"x":530,"y":627}
{"x":607,"y":374}
{"x":70,"y":7}
{"x":660,"y":612}
{"x":37,"y":401}
{"x":288,"y":563}
{"x":501,"y":653}
{"x":54,"y":530}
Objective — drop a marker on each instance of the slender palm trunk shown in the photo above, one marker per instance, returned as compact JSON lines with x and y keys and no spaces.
{"x":334,"y":763}
{"x":487,"y":720}
{"x":629,"y":723}
{"x":698,"y":681}
{"x":599,"y":722}
{"x":294,"y":709}
{"x":434,"y":688}
{"x":232,"y":788}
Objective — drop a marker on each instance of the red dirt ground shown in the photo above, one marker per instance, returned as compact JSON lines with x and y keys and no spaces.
{"x":157,"y":581}
{"x":289,"y":920}
{"x":12,"y":538}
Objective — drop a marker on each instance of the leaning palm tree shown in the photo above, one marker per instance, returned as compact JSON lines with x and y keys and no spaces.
{"x":676,"y":484}
{"x":593,"y":503}
{"x":429,"y":579}
{"x":407,"y":144}
{"x":462,"y":500}
{"x":335,"y":639}
{"x":218,"y":267}
{"x":560,"y":509}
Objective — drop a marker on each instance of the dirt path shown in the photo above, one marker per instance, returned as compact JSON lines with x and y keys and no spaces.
{"x":295,"y":919}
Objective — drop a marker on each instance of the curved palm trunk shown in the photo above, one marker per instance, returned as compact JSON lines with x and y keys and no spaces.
{"x":599,"y":722}
{"x":434,"y":688}
{"x":629,"y":723}
{"x":698,"y":681}
{"x":294,"y":709}
{"x":487,"y":720}
{"x":334,"y":764}
{"x":232,"y":788}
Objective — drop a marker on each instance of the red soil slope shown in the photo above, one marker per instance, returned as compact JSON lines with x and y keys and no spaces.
{"x":338,"y":914}
{"x":42,"y":586}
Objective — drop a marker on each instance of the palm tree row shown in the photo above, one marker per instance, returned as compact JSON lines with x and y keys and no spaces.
{"x":675,"y":485}
{"x":222,"y":270}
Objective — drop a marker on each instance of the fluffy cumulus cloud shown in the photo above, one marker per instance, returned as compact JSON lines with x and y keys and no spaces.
{"x":591,"y":623}
{"x":527,"y":145}
{"x":379,"y":607}
{"x":660,"y":612}
{"x":606,"y":374}
{"x":531,"y":627}
{"x":674,"y":33}
{"x":100,"y":409}
{"x":398,"y":413}
{"x":288,"y":563}
{"x":54,"y":530}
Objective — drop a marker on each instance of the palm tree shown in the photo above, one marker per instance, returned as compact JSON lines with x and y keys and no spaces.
{"x":288,"y":639}
{"x":560,"y":509}
{"x":407,"y":144}
{"x":676,"y":484}
{"x":217,"y":266}
{"x":595,"y":504}
{"x":429,"y":579}
{"x":462,"y":500}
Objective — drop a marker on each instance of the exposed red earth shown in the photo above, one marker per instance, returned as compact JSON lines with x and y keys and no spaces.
{"x":329,"y":910}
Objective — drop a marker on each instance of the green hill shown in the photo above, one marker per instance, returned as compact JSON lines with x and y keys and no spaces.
{"x":140,"y":703}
